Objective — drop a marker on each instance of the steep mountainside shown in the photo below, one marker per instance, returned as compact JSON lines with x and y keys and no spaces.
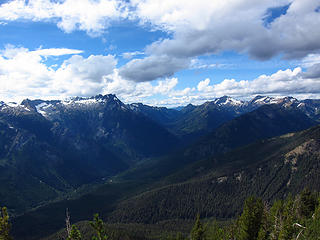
{"x":57,"y":146}
{"x":218,"y":186}
{"x":262,"y":123}
{"x":161,"y":115}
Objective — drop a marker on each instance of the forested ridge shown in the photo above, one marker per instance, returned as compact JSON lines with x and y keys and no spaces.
{"x":295,"y":217}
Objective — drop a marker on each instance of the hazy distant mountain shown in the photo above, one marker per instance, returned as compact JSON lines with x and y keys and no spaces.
{"x":191,"y":121}
{"x":264,"y":122}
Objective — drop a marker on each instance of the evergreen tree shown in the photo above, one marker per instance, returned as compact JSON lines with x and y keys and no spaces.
{"x":266,"y":225}
{"x":288,"y":218}
{"x":4,"y":225}
{"x":74,"y":234}
{"x":215,"y":232}
{"x":99,"y":228}
{"x":250,"y":219}
{"x":198,"y":231}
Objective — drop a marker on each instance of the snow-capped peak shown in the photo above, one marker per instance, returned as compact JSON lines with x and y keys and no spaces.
{"x":91,"y":100}
{"x":261,"y":100}
{"x":225,"y":100}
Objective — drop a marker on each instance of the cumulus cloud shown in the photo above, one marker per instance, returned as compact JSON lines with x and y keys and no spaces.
{"x":24,"y":73}
{"x":292,"y":82}
{"x":79,"y":76}
{"x":282,"y":83}
{"x":202,"y":27}
{"x":196,"y":27}
{"x":130,"y":91}
{"x":152,"y":67}
{"x":90,"y":16}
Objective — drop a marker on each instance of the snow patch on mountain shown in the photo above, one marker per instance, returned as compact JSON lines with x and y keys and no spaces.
{"x":225,"y":100}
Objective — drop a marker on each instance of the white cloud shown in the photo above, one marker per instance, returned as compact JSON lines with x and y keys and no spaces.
{"x":129,"y":55}
{"x":80,"y":76}
{"x":24,"y":74}
{"x":289,"y":82}
{"x":90,"y":16}
{"x":166,"y":86}
{"x":203,"y":86}
{"x":281,"y":83}
{"x":197,"y":27}
{"x":310,"y":60}
{"x":205,"y":27}
{"x":198,"y":64}
{"x":130,"y":91}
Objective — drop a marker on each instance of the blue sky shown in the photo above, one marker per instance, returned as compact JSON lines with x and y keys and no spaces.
{"x":159,"y":52}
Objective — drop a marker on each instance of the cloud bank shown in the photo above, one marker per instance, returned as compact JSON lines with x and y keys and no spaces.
{"x":24,"y":74}
{"x":204,"y":27}
{"x":195,"y":28}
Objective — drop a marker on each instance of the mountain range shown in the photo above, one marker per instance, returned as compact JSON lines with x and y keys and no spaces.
{"x":145,"y":164}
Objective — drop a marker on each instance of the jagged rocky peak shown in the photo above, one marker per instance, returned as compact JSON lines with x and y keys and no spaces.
{"x":136,"y":106}
{"x":188,"y":108}
{"x":226,"y":100}
{"x":260,"y":100}
{"x":283,"y":101}
{"x":31,"y":104}
{"x":94,"y":100}
{"x":288,"y":100}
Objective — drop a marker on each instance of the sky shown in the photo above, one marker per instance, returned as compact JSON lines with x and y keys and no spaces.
{"x":159,"y":52}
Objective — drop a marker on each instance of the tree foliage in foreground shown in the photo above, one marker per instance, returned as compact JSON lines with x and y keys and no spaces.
{"x":4,"y":225}
{"x":289,"y":219}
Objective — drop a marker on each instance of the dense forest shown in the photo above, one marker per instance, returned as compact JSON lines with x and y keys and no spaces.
{"x":291,"y":218}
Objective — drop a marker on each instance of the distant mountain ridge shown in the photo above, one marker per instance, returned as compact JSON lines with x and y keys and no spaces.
{"x":165,"y":115}
{"x":191,"y":121}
